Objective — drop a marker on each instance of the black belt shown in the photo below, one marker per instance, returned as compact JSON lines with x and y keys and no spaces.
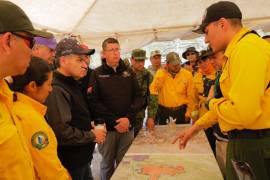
{"x":173,"y":108}
{"x":247,"y":133}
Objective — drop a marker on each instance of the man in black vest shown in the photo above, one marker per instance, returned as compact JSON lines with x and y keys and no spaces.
{"x":68,"y":112}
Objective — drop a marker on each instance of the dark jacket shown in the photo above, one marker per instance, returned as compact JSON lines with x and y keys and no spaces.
{"x":69,"y":117}
{"x":115,"y":94}
{"x":218,"y":94}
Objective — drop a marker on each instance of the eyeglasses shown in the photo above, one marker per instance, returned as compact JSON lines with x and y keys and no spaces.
{"x":30,"y":41}
{"x":191,"y":53}
{"x":113,"y":50}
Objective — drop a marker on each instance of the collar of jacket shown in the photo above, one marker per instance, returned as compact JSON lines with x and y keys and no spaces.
{"x":40,"y":108}
{"x":68,"y":79}
{"x":142,"y":72}
{"x":120,"y":68}
{"x":234,"y":41}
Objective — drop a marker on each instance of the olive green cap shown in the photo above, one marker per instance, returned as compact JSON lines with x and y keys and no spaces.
{"x":14,"y":19}
{"x":139,"y":54}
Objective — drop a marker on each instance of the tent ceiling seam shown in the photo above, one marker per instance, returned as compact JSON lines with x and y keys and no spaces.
{"x":83,"y":16}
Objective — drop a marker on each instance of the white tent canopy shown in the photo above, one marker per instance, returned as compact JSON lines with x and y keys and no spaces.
{"x":135,"y":23}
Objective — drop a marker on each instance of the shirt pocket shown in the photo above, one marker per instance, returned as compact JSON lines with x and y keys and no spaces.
{"x":181,"y":87}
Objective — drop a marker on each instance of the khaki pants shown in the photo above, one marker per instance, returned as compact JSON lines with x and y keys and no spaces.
{"x":221,"y":151}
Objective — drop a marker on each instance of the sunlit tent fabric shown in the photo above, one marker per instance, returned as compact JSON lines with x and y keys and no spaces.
{"x":135,"y":23}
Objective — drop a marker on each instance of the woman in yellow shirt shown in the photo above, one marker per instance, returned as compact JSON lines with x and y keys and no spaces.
{"x":32,"y":88}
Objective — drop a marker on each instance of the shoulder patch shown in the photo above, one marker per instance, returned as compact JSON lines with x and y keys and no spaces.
{"x":40,"y":140}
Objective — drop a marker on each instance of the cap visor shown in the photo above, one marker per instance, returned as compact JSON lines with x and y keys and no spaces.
{"x":40,"y":33}
{"x":175,"y":62}
{"x":91,"y":52}
{"x":156,"y":55}
{"x":200,"y":29}
{"x":140,"y":58}
{"x":85,"y":52}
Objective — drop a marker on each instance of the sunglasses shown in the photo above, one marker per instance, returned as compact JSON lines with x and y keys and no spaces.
{"x":191,"y":53}
{"x":29,"y":41}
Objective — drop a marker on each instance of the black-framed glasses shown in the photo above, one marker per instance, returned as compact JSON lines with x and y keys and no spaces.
{"x":113,"y":50}
{"x":30,"y":41}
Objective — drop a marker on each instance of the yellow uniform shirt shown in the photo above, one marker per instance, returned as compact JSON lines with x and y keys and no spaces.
{"x":246,"y":102}
{"x":16,"y":162}
{"x":174,"y":92}
{"x":40,"y":138}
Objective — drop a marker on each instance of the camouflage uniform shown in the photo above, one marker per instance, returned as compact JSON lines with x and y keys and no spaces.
{"x":152,"y":70}
{"x":144,"y":80}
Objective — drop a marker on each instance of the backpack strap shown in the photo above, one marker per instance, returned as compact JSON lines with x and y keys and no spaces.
{"x":253,"y":32}
{"x":249,"y":32}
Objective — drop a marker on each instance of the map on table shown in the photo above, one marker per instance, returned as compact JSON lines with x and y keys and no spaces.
{"x":168,"y":167}
{"x":160,"y":141}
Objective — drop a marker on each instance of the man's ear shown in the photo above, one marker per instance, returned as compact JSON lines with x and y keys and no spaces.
{"x":6,"y":42}
{"x":62,"y":60}
{"x":223,"y":23}
{"x":102,"y":53}
{"x":31,"y":87}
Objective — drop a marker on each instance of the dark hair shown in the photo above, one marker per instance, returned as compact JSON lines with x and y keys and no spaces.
{"x":235,"y":22}
{"x":56,"y":62}
{"x":109,"y":41}
{"x":37,"y":71}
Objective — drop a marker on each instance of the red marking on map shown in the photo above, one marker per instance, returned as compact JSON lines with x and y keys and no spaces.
{"x":155,"y":171}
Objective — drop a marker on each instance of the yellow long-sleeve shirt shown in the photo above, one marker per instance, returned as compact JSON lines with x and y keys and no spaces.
{"x":246,"y":102}
{"x":174,"y":92}
{"x":16,"y":162}
{"x":40,"y":138}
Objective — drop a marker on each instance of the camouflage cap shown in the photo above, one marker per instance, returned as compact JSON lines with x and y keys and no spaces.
{"x":71,"y":46}
{"x":139,"y":54}
{"x":14,"y":19}
{"x":155,"y":53}
{"x":173,"y":58}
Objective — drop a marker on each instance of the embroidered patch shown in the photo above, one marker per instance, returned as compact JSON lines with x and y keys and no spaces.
{"x":126,"y":74}
{"x":40,"y":140}
{"x":89,"y":90}
{"x":104,"y":76}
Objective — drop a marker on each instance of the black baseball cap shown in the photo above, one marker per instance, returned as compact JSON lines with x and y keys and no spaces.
{"x":14,"y":19}
{"x":221,"y":9}
{"x":69,"y":46}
